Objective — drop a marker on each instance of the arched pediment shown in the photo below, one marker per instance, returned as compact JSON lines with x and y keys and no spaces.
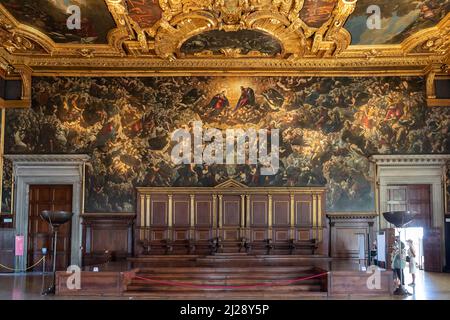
{"x":231,"y":184}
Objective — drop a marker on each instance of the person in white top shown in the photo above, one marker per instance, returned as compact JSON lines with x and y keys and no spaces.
{"x":412,"y":261}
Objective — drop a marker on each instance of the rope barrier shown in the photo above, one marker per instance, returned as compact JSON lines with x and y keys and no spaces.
{"x":266,"y":284}
{"x":22,"y":270}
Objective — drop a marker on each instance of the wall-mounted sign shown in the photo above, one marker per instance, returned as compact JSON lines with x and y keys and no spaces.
{"x":19,"y":245}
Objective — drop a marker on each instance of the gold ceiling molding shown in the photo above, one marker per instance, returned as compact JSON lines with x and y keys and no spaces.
{"x":279,"y":18}
{"x":16,"y":72}
{"x":12,"y":39}
{"x":305,"y":50}
{"x":141,"y":66}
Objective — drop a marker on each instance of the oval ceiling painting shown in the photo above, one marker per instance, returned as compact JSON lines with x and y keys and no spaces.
{"x":232,"y":43}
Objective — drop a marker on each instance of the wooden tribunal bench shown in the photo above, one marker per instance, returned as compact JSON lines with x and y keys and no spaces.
{"x":231,"y":218}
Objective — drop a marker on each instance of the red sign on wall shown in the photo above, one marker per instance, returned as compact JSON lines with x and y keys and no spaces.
{"x":19,"y":245}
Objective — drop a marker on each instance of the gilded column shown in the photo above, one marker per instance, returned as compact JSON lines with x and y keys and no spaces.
{"x":242,"y":231}
{"x":314,"y":215}
{"x":214,"y":208}
{"x":247,"y":223}
{"x":270,"y":219}
{"x":249,"y":213}
{"x":142,"y":213}
{"x":292,"y":211}
{"x":319,"y":216}
{"x":192,"y":211}
{"x":220,"y":210}
{"x":148,"y":216}
{"x":170,"y":215}
{"x":242,"y":210}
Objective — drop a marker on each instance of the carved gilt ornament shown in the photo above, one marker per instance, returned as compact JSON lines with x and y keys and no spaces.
{"x":143,"y":50}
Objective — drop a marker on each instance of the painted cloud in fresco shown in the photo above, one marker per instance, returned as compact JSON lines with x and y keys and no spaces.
{"x":328,"y":128}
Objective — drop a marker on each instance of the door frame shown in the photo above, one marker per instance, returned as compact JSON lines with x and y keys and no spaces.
{"x":412,"y":169}
{"x":48,"y":170}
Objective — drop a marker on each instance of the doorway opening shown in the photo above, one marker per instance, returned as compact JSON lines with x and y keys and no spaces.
{"x":416,"y":235}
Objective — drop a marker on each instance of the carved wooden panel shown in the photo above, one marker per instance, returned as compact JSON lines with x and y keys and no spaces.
{"x":259,"y":235}
{"x":281,"y":213}
{"x":231,"y":210}
{"x":158,"y":235}
{"x":259,"y":211}
{"x":303,"y":235}
{"x":303,"y":211}
{"x":203,"y":213}
{"x":180,"y":235}
{"x":281,"y":235}
{"x":230,"y":235}
{"x":181,"y":212}
{"x":107,"y":236}
{"x":204,"y":235}
{"x":159,"y":213}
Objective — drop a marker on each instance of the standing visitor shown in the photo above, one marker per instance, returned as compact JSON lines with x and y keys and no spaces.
{"x":412,"y":261}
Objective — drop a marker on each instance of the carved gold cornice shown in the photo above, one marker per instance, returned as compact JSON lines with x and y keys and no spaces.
{"x":184,"y":19}
{"x":132,"y":50}
{"x":350,"y":215}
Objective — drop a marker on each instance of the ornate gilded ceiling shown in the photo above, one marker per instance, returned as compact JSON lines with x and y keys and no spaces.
{"x":257,"y":36}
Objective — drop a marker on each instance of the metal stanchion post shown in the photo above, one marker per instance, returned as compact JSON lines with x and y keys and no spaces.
{"x":44,"y":253}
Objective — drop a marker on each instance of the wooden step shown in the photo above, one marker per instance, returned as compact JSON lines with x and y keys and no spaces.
{"x":206,"y":295}
{"x":144,"y":258}
{"x":162,"y":288}
{"x":257,"y":276}
{"x":229,"y":254}
{"x":212,"y":270}
{"x":222,"y":282}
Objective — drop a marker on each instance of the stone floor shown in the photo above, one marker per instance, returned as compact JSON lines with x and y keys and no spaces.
{"x":429,"y":286}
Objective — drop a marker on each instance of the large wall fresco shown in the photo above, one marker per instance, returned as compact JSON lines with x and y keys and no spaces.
{"x":328,"y":128}
{"x":399,"y":19}
{"x":6,"y":186}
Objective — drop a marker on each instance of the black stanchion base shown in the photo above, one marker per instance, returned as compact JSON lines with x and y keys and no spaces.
{"x":49,"y":290}
{"x":401,"y":291}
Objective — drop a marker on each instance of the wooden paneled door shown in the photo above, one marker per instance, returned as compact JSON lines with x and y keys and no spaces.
{"x":432,"y":250}
{"x":417,"y":198}
{"x":414,"y":198}
{"x":48,"y":197}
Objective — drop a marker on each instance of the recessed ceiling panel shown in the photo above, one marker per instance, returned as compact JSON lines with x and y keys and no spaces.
{"x":50,"y":17}
{"x":242,"y":42}
{"x":399,"y":19}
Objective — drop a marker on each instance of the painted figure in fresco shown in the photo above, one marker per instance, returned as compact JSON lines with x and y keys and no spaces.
{"x":87,"y":32}
{"x":105,"y":134}
{"x":395,"y":107}
{"x":247,"y":98}
{"x":144,"y":12}
{"x":274,"y":98}
{"x":429,"y":10}
{"x":219,"y":102}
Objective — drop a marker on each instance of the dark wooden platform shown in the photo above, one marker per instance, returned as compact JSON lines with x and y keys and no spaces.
{"x":220,"y":276}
